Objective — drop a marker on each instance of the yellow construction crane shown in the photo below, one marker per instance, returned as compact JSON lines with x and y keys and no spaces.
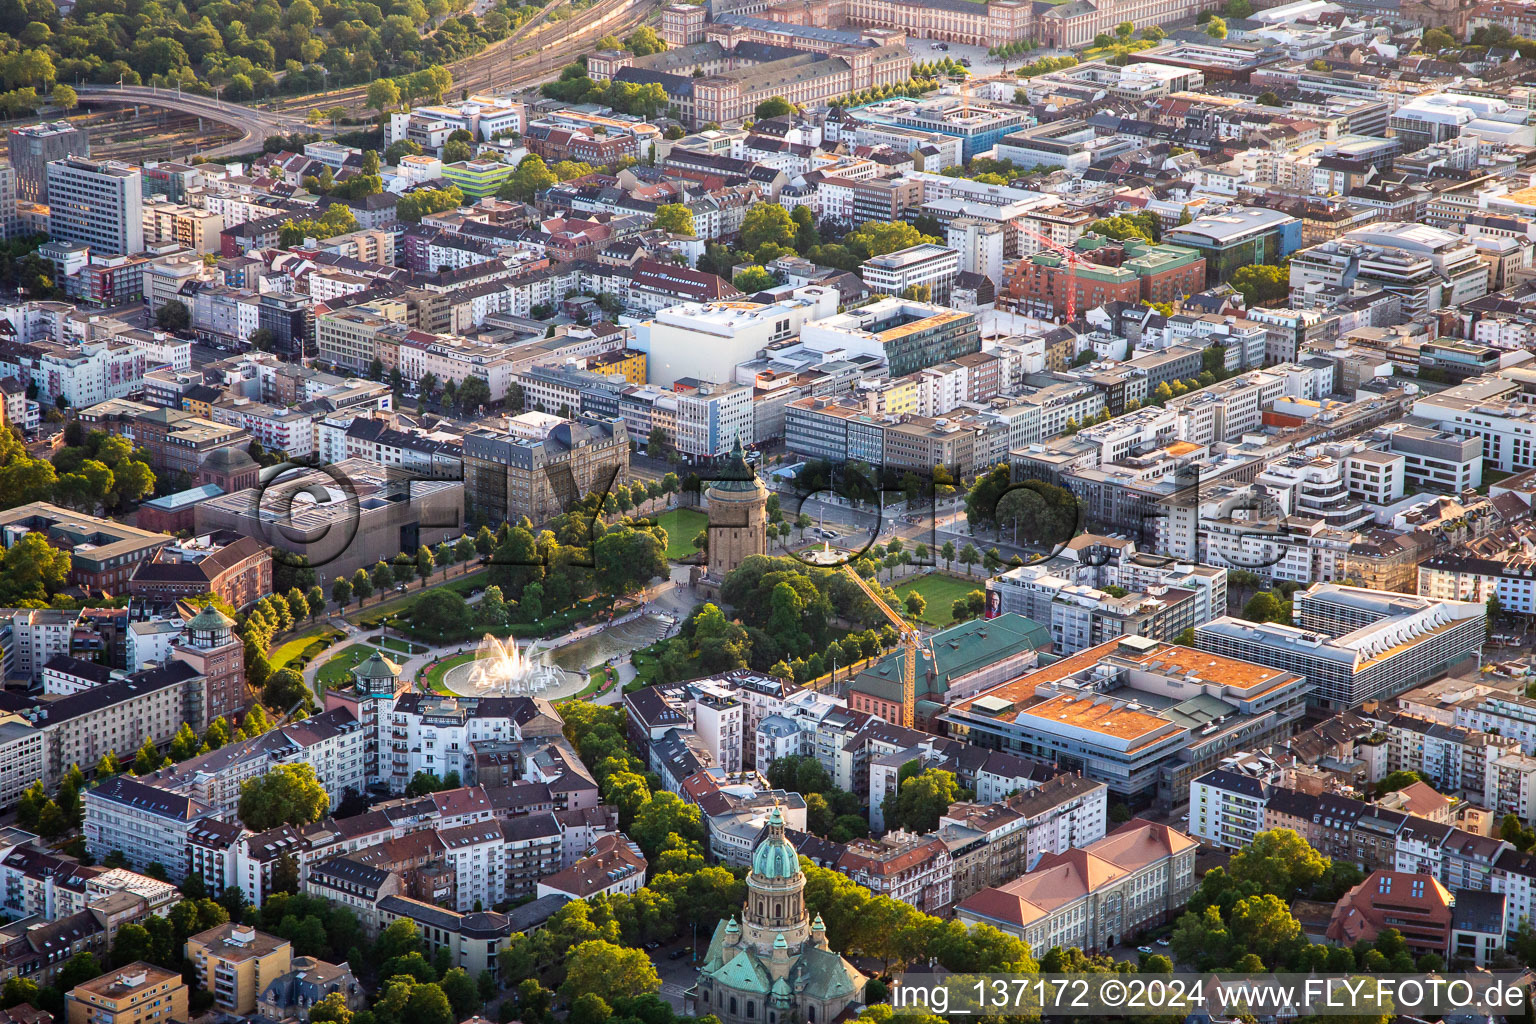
{"x":911,"y":640}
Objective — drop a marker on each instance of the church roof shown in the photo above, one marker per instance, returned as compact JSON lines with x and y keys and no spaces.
{"x":775,"y":856}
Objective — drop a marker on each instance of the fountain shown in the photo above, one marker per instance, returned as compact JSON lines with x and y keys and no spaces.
{"x":503,"y":670}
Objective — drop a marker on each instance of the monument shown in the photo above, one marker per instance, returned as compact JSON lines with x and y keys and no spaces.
{"x":738,"y":515}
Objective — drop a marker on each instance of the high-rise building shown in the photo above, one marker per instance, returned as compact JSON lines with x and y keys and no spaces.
{"x":33,"y":147}
{"x":96,"y":203}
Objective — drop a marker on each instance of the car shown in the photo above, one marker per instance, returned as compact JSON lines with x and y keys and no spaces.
{"x":679,"y":953}
{"x":1184,"y":817}
{"x":653,"y":946}
{"x":1165,"y":941}
{"x":944,"y":46}
{"x":830,"y":534}
{"x":938,"y":46}
{"x":1143,"y":949}
{"x":965,"y":62}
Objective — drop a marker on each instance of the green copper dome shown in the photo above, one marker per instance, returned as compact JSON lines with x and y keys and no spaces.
{"x":775,"y":856}
{"x":735,"y":474}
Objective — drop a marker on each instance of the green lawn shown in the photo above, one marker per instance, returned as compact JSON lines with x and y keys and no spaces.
{"x":940,"y":592}
{"x":306,"y":644}
{"x":338,"y":671}
{"x":378,"y":611}
{"x":682,"y":525}
{"x":436,"y":672}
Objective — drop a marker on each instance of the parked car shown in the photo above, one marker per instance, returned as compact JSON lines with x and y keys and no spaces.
{"x":653,"y":946}
{"x":1165,"y":941}
{"x":679,"y":953}
{"x":1144,"y":949}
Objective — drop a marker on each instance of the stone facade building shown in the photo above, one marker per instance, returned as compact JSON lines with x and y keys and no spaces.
{"x":774,"y":966}
{"x":738,"y":516}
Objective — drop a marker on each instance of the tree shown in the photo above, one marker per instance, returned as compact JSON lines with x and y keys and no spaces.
{"x":64,"y":97}
{"x":33,"y":571}
{"x":429,"y":1005}
{"x":969,"y":556}
{"x":1260,"y":282}
{"x":1279,"y":862}
{"x":383,"y":95}
{"x":81,"y":967}
{"x":767,"y":224}
{"x":332,"y":1009}
{"x":287,"y":794}
{"x":916,"y":604}
{"x":675,"y":219}
{"x":665,"y":814}
{"x":753,"y":279}
{"x":947,"y":552}
{"x":341,"y":591}
{"x":1263,"y":924}
{"x":173,"y":316}
{"x":774,"y":106}
{"x":1436,"y":39}
{"x":414,"y":205}
{"x":609,"y":972}
{"x":462,"y":993}
{"x":876,"y":238}
{"x":1263,"y":607}
{"x":284,"y":688}
{"x":921,"y":800}
{"x":1216,"y":28}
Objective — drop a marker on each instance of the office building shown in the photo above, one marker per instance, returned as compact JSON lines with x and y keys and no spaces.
{"x":1247,"y":236}
{"x":99,"y":204}
{"x":33,"y":147}
{"x":1139,"y":876}
{"x":508,"y":476}
{"x":1140,"y":715}
{"x":1355,"y":645}
{"x":909,"y":335}
{"x":924,"y":271}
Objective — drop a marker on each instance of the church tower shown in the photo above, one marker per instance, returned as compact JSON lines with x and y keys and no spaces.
{"x":774,"y":966}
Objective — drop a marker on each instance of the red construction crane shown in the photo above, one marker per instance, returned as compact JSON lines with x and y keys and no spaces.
{"x":1068,"y":255}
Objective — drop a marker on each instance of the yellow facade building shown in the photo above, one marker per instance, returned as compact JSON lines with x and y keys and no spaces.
{"x":237,"y":963}
{"x":140,"y":993}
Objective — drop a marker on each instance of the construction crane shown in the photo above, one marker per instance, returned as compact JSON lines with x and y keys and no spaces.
{"x":1068,"y":255}
{"x":911,"y":640}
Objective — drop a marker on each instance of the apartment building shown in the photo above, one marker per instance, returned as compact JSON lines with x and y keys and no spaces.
{"x":148,"y":825}
{"x":236,"y":963}
{"x":993,"y":843}
{"x":904,"y":866}
{"x":97,"y":204}
{"x":926,"y":270}
{"x":138,"y":993}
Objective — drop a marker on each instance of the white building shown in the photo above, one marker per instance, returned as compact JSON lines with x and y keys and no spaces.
{"x":707,"y":340}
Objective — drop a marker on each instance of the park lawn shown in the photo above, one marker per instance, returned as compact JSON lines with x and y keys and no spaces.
{"x":311,"y":641}
{"x":396,"y":605}
{"x":436,"y":673}
{"x":338,"y":671}
{"x":940,"y":592}
{"x":682,"y":525}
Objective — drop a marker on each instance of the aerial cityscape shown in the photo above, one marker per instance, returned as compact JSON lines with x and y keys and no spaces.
{"x":767,"y":511}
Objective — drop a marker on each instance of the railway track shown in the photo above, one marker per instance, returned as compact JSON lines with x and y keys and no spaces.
{"x":493,"y":67}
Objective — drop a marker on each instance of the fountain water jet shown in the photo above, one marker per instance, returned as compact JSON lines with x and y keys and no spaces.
{"x":502,"y":669}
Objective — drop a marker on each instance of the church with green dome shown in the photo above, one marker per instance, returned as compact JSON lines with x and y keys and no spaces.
{"x":773,"y":966}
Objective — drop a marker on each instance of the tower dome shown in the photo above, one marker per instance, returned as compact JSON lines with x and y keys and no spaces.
{"x":775,"y":856}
